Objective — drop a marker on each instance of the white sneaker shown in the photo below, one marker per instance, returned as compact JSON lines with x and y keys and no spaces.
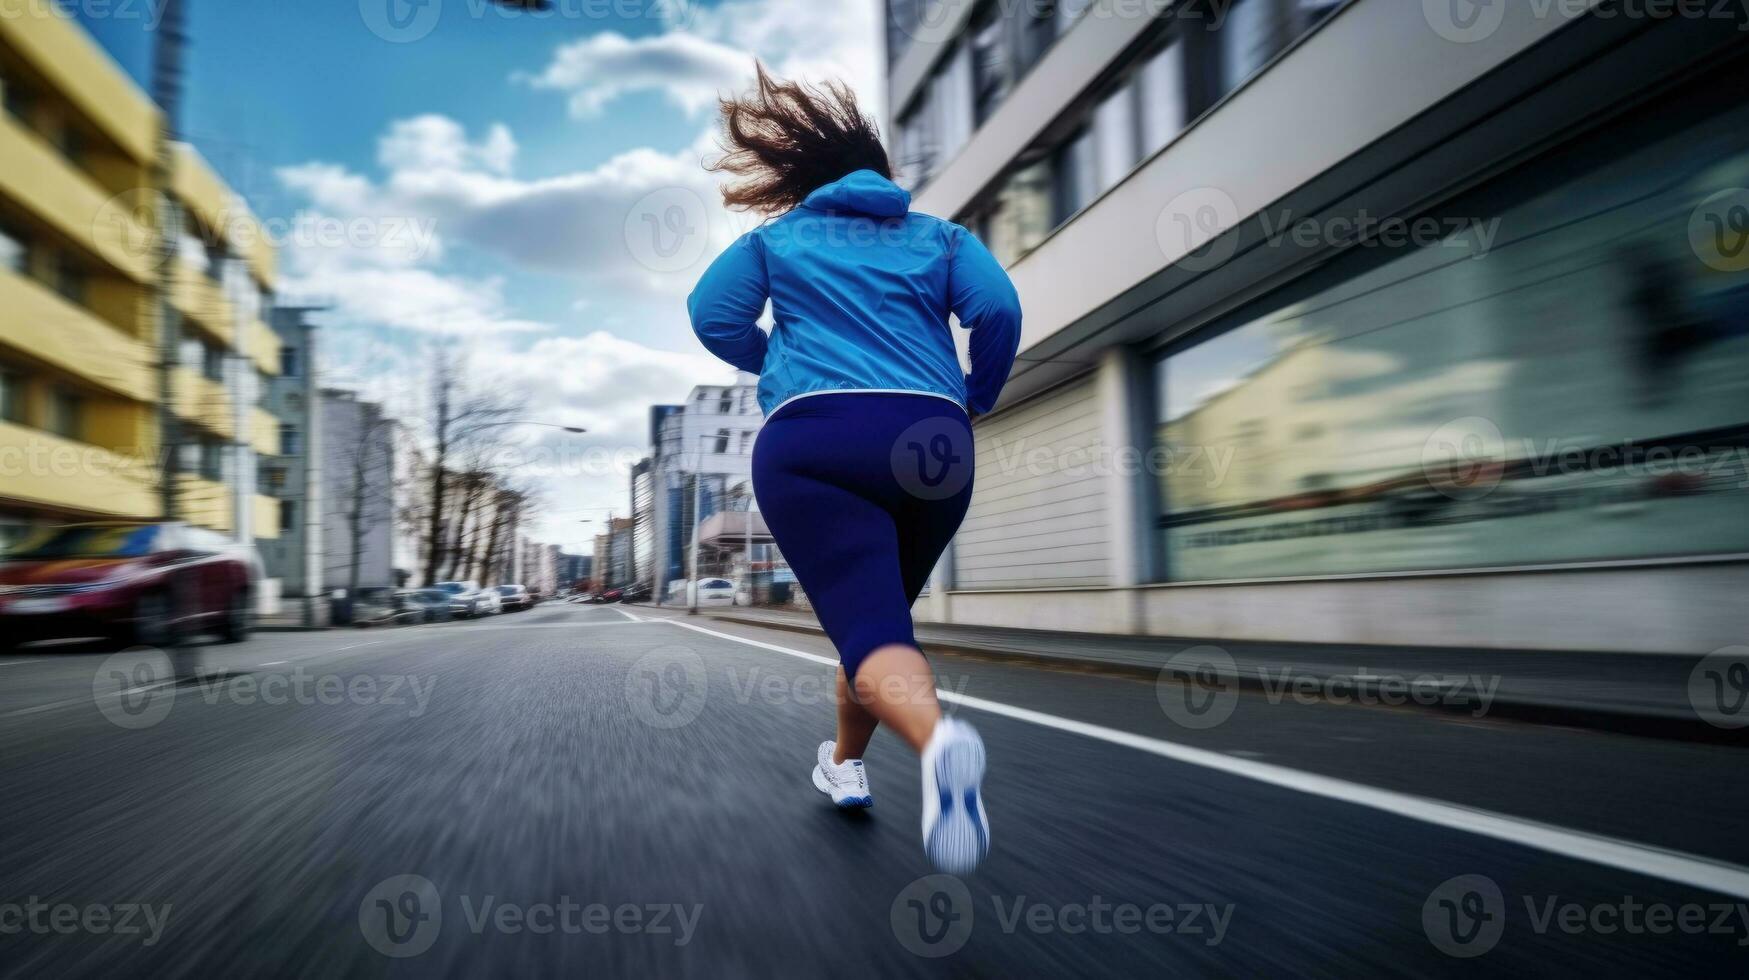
{"x":847,"y":784}
{"x":956,"y":832}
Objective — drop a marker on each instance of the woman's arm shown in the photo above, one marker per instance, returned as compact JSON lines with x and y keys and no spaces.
{"x":726,"y":304}
{"x":981,"y":295}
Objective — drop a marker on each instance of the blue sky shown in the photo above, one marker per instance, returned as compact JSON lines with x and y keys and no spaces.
{"x":448,"y":175}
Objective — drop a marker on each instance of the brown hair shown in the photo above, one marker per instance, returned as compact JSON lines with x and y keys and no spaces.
{"x":785,"y":139}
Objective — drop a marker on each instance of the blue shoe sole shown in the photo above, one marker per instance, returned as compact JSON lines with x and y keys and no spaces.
{"x":959,"y":839}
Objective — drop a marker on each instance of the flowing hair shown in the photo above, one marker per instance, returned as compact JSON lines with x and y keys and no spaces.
{"x":785,"y":139}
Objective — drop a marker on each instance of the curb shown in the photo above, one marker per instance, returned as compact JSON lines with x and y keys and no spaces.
{"x":1674,"y":726}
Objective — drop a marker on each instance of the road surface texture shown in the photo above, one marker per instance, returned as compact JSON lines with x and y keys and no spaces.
{"x":623,"y":791}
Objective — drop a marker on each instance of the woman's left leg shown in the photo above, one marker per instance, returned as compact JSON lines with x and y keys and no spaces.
{"x":855,"y":724}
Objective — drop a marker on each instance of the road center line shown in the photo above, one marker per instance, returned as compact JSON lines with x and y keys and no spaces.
{"x":1654,"y":862}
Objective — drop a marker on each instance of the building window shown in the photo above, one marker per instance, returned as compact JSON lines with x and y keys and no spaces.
{"x":215,"y":261}
{"x":11,"y":396}
{"x":71,"y":281}
{"x":16,"y":100}
{"x":1531,"y":396}
{"x":288,"y":515}
{"x":212,"y":362}
{"x":212,"y":460}
{"x":718,"y":443}
{"x":67,"y":414}
{"x":288,"y":362}
{"x":290,"y":440}
{"x":14,"y":254}
{"x":1161,"y":98}
{"x":273,"y":478}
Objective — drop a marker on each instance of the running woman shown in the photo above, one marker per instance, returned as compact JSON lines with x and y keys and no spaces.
{"x":863,"y":469}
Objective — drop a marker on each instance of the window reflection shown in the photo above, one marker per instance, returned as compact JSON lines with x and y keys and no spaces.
{"x":1569,"y":384}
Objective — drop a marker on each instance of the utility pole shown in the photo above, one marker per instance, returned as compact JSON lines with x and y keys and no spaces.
{"x":170,"y":43}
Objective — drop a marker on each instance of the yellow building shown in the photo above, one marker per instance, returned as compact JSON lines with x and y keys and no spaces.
{"x":79,"y":340}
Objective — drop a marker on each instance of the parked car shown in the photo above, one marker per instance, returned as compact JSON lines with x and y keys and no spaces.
{"x":467,"y":599}
{"x":431,"y":605}
{"x":516,"y":598}
{"x":133,"y":582}
{"x":636,"y":593}
{"x":715,"y":592}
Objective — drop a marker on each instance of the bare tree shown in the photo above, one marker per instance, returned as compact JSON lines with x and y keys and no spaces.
{"x":461,"y":417}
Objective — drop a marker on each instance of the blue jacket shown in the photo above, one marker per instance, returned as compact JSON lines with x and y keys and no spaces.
{"x":860,"y":292}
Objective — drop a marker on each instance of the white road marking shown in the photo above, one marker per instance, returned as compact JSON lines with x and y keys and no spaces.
{"x":1654,"y":862}
{"x":17,"y":663}
{"x":627,"y":615}
{"x":275,"y":663}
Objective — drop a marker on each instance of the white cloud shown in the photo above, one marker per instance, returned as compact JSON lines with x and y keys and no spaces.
{"x":687,"y":69}
{"x":710,"y":50}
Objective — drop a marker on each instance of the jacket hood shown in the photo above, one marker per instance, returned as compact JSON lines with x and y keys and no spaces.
{"x":862,"y":192}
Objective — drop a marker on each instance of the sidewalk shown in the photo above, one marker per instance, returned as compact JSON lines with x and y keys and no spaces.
{"x":1643,"y":694}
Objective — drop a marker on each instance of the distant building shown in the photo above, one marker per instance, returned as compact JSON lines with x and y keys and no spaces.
{"x":290,"y":480}
{"x":702,"y":460}
{"x":358,"y":495}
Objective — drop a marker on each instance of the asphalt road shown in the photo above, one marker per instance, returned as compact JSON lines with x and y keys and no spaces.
{"x":601,"y":791}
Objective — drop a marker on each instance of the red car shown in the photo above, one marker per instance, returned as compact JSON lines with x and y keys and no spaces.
{"x":150,"y":584}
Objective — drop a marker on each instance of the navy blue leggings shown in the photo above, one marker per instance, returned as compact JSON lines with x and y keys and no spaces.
{"x":863,"y":492}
